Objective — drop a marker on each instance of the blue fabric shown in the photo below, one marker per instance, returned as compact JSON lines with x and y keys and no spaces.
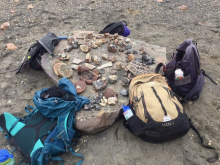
{"x":126,"y":31}
{"x":37,"y":145}
{"x":54,"y":107}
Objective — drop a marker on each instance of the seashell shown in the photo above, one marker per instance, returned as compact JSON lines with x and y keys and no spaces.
{"x":64,"y":71}
{"x":80,"y":86}
{"x":88,"y":77}
{"x":56,"y":66}
{"x":56,"y":61}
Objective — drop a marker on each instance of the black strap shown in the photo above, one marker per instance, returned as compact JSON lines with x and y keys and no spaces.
{"x":165,"y":112}
{"x":212,"y":159}
{"x":111,"y":27}
{"x":157,"y":69}
{"x":213,"y":81}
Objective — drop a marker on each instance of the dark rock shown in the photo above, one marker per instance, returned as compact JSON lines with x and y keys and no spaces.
{"x":145,"y":58}
{"x":68,"y":48}
{"x":99,"y":84}
{"x":131,"y":51}
{"x":75,"y":45}
{"x":112,"y":79}
{"x":88,"y":106}
{"x":97,"y":107}
{"x":138,"y":60}
{"x":125,"y":81}
{"x":121,"y":50}
{"x":128,"y":47}
{"x":102,"y":71}
{"x":113,"y":71}
{"x":150,"y":61}
{"x":124,"y":92}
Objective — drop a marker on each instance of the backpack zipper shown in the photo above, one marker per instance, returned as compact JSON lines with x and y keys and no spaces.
{"x":144,"y":105}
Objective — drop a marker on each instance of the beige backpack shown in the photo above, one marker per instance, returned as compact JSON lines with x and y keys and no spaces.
{"x":157,"y":114}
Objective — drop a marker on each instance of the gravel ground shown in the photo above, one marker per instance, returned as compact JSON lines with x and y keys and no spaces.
{"x":156,"y":23}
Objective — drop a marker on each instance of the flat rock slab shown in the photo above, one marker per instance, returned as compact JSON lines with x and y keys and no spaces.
{"x":93,"y":121}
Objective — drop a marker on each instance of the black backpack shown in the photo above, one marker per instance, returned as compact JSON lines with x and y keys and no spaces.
{"x":116,"y":27}
{"x":46,"y":44}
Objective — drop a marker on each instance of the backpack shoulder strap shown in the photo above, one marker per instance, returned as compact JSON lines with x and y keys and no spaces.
{"x":212,"y":159}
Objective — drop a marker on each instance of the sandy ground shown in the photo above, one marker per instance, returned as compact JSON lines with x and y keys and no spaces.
{"x":156,"y":23}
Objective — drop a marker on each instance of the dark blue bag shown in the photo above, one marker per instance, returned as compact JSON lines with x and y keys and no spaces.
{"x":188,"y":60}
{"x":49,"y":129}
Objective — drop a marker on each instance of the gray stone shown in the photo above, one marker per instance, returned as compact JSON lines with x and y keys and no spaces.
{"x":128,"y":47}
{"x":112,"y":79}
{"x":125,"y":81}
{"x":102,"y":71}
{"x":124,"y":92}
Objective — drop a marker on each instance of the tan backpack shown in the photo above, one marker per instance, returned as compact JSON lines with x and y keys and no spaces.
{"x":154,"y":114}
{"x":158,"y":115}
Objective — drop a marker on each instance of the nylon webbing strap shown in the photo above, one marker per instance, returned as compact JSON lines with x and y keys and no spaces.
{"x":212,"y":159}
{"x":76,"y":154}
{"x":213,"y":81}
{"x":157,"y":69}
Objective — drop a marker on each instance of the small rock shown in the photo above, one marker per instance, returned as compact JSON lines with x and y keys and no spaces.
{"x":109,"y":93}
{"x":112,"y":79}
{"x":11,"y":46}
{"x":112,"y":47}
{"x":131,"y":51}
{"x":182,"y":7}
{"x":105,"y":65}
{"x":105,"y":99}
{"x":104,"y":78}
{"x":121,"y":50}
{"x":123,"y":65}
{"x":104,"y":56}
{"x":99,"y":84}
{"x":97,"y":107}
{"x":90,"y":66}
{"x":127,"y":40}
{"x":112,"y":59}
{"x":124,"y":92}
{"x":131,"y":57}
{"x":117,"y":66}
{"x":96,"y":71}
{"x":68,"y":48}
{"x":128,"y":47}
{"x":63,"y":57}
{"x":88,"y":106}
{"x":73,"y":66}
{"x":16,"y":1}
{"x":5,"y":25}
{"x":138,"y":60}
{"x":102,"y":71}
{"x":88,"y":58}
{"x":112,"y":100}
{"x":113,"y":72}
{"x":77,"y":61}
{"x":99,"y":43}
{"x":29,"y":7}
{"x":85,"y":48}
{"x":125,"y":81}
{"x":103,"y":103}
{"x":96,"y":60}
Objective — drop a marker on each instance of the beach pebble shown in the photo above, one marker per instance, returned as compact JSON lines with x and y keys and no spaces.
{"x":88,"y":106}
{"x":77,"y":61}
{"x":131,"y":57}
{"x":128,"y":47}
{"x":104,"y":56}
{"x":74,"y":67}
{"x":97,"y":107}
{"x":112,"y":79}
{"x":109,"y":93}
{"x":5,"y":25}
{"x":102,"y":71}
{"x":112,"y":47}
{"x":125,"y":81}
{"x":29,"y":7}
{"x":11,"y":46}
{"x":124,"y":92}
